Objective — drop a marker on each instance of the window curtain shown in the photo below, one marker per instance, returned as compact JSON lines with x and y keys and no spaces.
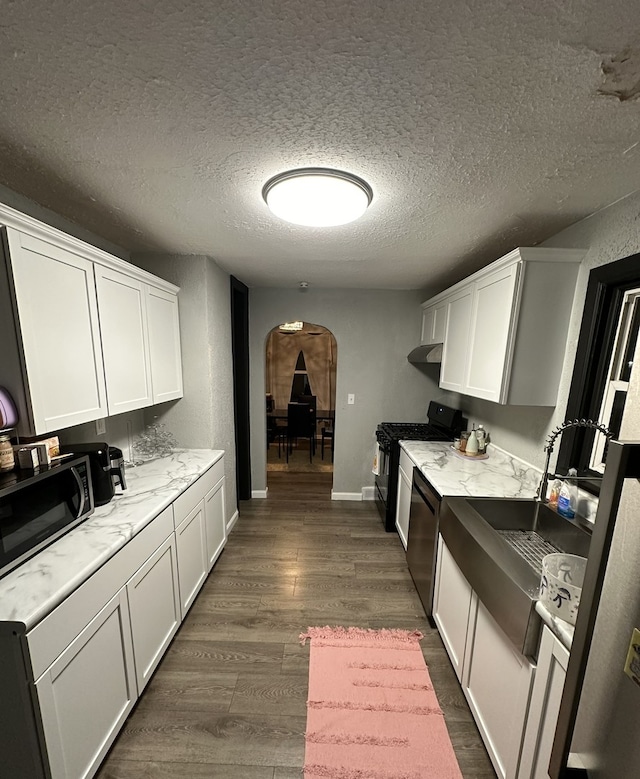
{"x":320,"y":360}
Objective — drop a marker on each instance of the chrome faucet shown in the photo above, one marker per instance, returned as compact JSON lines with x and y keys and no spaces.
{"x":542,"y":487}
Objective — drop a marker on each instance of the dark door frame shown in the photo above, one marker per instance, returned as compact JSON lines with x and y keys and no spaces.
{"x":240,"y":352}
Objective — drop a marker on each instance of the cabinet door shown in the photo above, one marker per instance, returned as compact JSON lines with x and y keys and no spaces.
{"x":58,"y":319}
{"x":125,"y":347}
{"x":496,"y":682}
{"x":428,"y":317}
{"x":451,"y":607}
{"x":164,"y":344}
{"x":491,"y":334}
{"x":87,"y":693}
{"x":154,"y":604}
{"x":215,"y":523}
{"x":553,"y":659}
{"x":434,"y":320}
{"x":456,"y":340}
{"x":192,"y":562}
{"x":403,"y":506}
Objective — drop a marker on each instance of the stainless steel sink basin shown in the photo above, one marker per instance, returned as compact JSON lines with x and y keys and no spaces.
{"x":498,"y":544}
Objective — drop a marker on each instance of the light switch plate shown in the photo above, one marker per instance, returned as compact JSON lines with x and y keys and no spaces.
{"x":632,"y":665}
{"x":101,"y":426}
{"x":351,"y":399}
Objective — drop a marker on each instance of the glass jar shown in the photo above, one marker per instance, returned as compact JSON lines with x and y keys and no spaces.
{"x":7,"y":459}
{"x":464,"y":437}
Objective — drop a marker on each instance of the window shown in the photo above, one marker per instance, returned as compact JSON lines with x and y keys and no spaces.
{"x":604,"y":358}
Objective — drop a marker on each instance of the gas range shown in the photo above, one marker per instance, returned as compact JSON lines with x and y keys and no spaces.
{"x":443,"y":425}
{"x":389,"y":432}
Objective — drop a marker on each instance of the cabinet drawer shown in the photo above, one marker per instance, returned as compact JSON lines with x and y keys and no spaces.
{"x":48,"y":639}
{"x":189,"y":499}
{"x":407,"y":464}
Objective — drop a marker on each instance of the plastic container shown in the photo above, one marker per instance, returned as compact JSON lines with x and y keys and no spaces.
{"x":568,"y":496}
{"x":554,"y":493}
{"x":561,"y":584}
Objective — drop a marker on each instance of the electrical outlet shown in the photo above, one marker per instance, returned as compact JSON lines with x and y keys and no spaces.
{"x":351,"y":399}
{"x":101,"y":426}
{"x":632,"y":665}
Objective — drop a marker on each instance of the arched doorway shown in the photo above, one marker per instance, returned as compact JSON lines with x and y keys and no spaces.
{"x":300,"y":381}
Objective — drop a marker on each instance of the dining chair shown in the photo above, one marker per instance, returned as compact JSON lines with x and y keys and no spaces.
{"x":326,"y":433}
{"x":301,"y":423}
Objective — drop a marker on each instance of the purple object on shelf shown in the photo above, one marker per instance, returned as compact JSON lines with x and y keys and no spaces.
{"x":8,"y":413}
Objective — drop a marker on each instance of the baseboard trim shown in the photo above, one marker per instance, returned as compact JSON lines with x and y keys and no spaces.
{"x":368,"y":493}
{"x":259,"y":493}
{"x":346,"y":495}
{"x":232,"y":521}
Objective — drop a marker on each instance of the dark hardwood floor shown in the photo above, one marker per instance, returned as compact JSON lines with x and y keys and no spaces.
{"x":228,"y":700}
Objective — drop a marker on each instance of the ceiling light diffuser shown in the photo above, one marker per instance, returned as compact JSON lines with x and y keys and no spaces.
{"x":317,"y":197}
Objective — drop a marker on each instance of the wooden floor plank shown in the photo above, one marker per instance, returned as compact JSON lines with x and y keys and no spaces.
{"x":229,"y":698}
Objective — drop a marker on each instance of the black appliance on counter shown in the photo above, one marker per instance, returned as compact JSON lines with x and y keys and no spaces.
{"x":107,"y":468}
{"x":37,"y":507}
{"x":444,"y":424}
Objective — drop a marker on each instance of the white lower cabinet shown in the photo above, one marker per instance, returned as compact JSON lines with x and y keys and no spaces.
{"x":553,"y":659}
{"x":192,"y":559}
{"x":154,"y":604}
{"x":496,"y":679}
{"x":87,"y":693}
{"x":452,"y":603}
{"x":403,"y":502}
{"x":215,"y":525}
{"x":73,"y":678}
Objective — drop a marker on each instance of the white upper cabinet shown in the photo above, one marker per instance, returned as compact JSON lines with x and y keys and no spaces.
{"x":456,"y":341}
{"x":433,"y":324}
{"x":164,"y":344}
{"x":85,"y":335}
{"x":52,"y":359}
{"x":489,"y":337}
{"x":506,"y":327}
{"x":125,"y":341}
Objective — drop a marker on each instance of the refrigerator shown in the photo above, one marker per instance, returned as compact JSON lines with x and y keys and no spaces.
{"x":598,"y":730}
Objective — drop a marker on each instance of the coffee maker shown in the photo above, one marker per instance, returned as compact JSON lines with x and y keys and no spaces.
{"x":107,"y":468}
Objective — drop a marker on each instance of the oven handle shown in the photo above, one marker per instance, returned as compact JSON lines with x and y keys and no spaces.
{"x":80,"y":484}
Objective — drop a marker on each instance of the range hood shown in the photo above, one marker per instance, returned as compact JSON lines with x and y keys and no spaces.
{"x":426,"y":353}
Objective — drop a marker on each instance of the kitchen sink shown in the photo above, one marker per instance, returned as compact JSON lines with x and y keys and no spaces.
{"x":498,"y":544}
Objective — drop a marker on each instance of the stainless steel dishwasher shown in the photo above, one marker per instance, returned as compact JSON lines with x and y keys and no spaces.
{"x":422,"y":542}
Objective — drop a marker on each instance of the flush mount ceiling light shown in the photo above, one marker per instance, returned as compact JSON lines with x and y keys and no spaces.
{"x":317,"y":197}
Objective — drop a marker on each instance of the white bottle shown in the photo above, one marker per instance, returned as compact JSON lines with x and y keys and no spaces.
{"x":472,"y":442}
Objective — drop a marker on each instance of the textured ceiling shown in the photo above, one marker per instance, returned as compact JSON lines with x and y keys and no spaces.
{"x":480,"y":125}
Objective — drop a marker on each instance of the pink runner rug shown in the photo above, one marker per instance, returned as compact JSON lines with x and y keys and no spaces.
{"x":372,"y":712}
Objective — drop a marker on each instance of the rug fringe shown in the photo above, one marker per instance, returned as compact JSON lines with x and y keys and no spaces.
{"x":391,"y":707}
{"x":383,"y":636}
{"x":337,"y":772}
{"x":364,"y":738}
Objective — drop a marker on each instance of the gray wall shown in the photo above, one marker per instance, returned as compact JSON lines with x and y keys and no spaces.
{"x":374,"y":330}
{"x":609,"y":235}
{"x":203,"y":418}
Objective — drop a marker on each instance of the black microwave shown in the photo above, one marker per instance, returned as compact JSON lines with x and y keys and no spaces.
{"x":38,"y":507}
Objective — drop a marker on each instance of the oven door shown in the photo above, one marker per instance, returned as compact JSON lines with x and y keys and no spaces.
{"x":382,"y":478}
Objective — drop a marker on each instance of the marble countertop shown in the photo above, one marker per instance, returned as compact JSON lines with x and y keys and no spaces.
{"x":500,"y":475}
{"x":37,"y":586}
